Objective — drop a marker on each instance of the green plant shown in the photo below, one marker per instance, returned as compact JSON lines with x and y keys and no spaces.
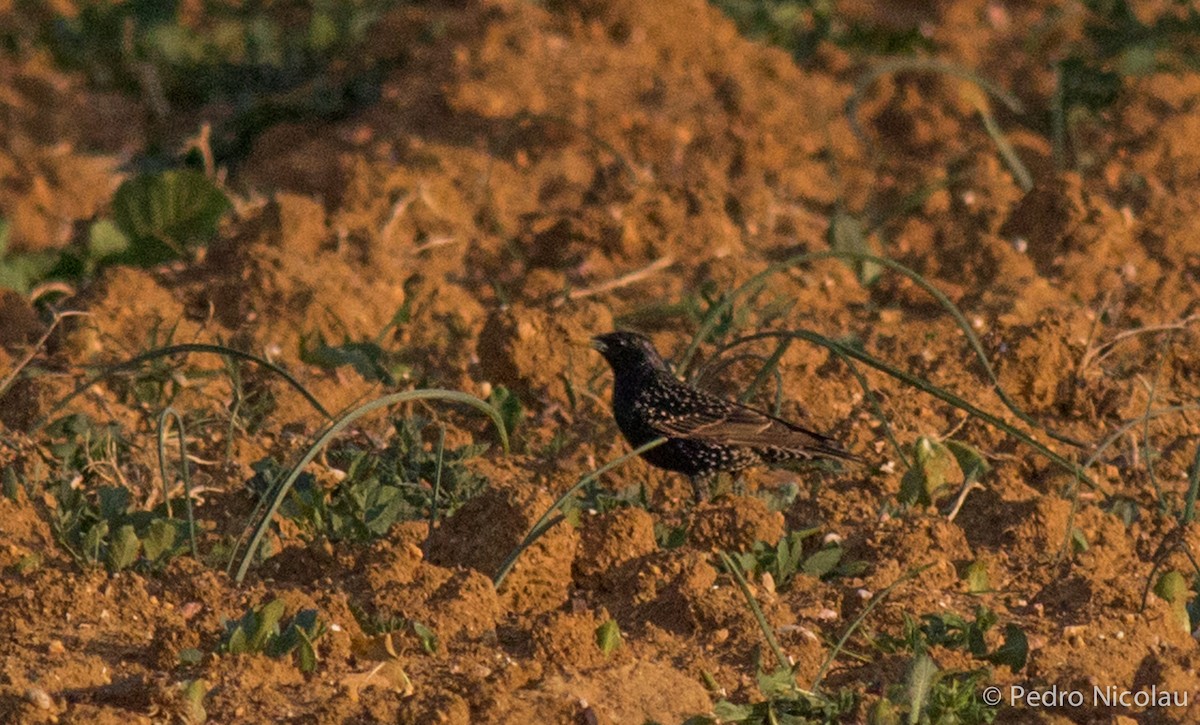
{"x":932,"y":695}
{"x":801,"y":26}
{"x":103,"y":530}
{"x":790,"y":556}
{"x":166,"y":215}
{"x":608,"y":637}
{"x":928,"y":480}
{"x":953,"y":631}
{"x":379,"y":488}
{"x":279,"y":491}
{"x":156,"y":218}
{"x":367,"y":358}
{"x":260,"y":631}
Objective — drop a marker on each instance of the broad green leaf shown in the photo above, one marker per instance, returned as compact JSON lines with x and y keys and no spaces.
{"x":124,"y":548}
{"x":929,"y":476}
{"x":306,"y":652}
{"x":822,"y":562}
{"x":920,"y":679}
{"x":266,"y":625}
{"x":159,"y":539}
{"x":93,"y":540}
{"x":193,"y":693}
{"x":779,"y":683}
{"x":608,"y":637}
{"x":167,"y":213}
{"x":977,"y":577}
{"x":114,"y":502}
{"x":970,"y":460}
{"x":726,"y":711}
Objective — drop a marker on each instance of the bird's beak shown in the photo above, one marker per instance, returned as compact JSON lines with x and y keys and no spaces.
{"x":598,"y":344}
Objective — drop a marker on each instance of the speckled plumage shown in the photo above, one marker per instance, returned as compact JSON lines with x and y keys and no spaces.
{"x":705,"y":434}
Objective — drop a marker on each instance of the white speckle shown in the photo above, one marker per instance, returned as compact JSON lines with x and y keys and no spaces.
{"x":1020,"y":245}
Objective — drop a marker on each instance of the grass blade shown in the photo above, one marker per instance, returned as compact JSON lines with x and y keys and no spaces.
{"x":875,"y":601}
{"x":170,"y":412}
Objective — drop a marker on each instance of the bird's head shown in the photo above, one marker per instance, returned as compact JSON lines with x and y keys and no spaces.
{"x":628,"y":351}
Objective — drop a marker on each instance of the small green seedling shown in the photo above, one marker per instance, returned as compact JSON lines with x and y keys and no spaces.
{"x":954,"y":631}
{"x":259,"y":631}
{"x":379,"y":489}
{"x":109,"y":532}
{"x":934,"y":461}
{"x":797,"y":552}
{"x":608,"y":637}
{"x":1172,"y":587}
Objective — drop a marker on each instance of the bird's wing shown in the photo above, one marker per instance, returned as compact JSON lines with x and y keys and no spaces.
{"x":734,"y":424}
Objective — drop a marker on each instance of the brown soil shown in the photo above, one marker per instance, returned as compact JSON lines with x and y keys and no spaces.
{"x":518,"y":160}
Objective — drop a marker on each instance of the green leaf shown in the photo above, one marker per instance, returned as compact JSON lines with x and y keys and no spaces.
{"x":190,"y":656}
{"x":105,"y":239}
{"x":113,"y":501}
{"x":167,"y":213}
{"x":305,"y":652}
{"x":777,"y":684}
{"x":1079,"y":542}
{"x":93,"y":540}
{"x":977,"y":577}
{"x":124,"y":548}
{"x":929,"y":476}
{"x":920,"y":679}
{"x":822,"y":562}
{"x":726,"y":711}
{"x":159,"y":539}
{"x":608,"y":637}
{"x":365,"y":357}
{"x":429,"y":639}
{"x":969,"y":459}
{"x":509,"y":405}
{"x":1171,"y":586}
{"x":193,"y":693}
{"x":1015,"y":650}
{"x":20,"y":272}
{"x":846,"y":234}
{"x":266,"y":625}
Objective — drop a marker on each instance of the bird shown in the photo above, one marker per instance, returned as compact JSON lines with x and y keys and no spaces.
{"x":705,"y":434}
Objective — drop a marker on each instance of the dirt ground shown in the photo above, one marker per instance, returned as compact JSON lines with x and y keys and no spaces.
{"x":533,"y":175}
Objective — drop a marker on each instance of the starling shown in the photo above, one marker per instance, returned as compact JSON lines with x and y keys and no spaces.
{"x":705,"y":434}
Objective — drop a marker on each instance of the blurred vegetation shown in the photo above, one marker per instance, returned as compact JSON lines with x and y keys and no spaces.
{"x":262,"y":62}
{"x":800,"y":26}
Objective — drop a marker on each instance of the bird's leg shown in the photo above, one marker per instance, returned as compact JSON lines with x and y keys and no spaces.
{"x":701,"y":487}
